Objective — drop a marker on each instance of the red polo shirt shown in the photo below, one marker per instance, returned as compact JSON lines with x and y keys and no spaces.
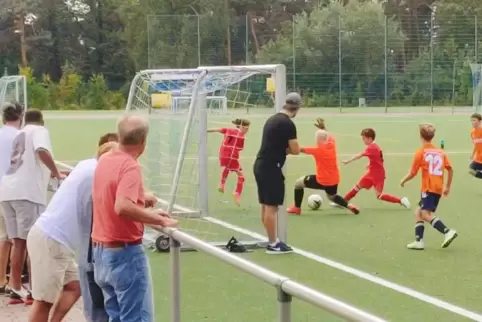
{"x":117,"y":175}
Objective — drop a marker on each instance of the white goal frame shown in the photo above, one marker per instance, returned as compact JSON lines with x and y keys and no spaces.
{"x":207,"y":80}
{"x":20,"y":86}
{"x":476,"y":70}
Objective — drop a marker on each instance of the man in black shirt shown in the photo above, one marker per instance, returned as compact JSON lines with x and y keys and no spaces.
{"x":279,"y":139}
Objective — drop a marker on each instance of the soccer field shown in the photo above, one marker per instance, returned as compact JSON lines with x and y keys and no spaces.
{"x":361,"y":260}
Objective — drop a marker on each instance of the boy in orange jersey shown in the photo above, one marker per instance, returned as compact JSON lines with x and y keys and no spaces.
{"x":375,"y":176}
{"x":433,"y":162}
{"x":476,"y":136}
{"x":327,"y":175}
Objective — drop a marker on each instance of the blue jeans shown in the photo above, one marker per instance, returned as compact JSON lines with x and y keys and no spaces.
{"x":91,"y":313}
{"x":123,"y":275}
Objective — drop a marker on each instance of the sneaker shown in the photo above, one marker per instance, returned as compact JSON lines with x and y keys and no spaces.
{"x":416,"y":245}
{"x":354,"y":209}
{"x":237,"y":198}
{"x":449,"y":238}
{"x":18,"y":296}
{"x":279,"y":248}
{"x":3,"y":289}
{"x":8,"y":290}
{"x":294,"y":210}
{"x":405,"y":203}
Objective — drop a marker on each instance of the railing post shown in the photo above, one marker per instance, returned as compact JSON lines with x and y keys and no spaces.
{"x":175,"y":254}
{"x":284,"y":305}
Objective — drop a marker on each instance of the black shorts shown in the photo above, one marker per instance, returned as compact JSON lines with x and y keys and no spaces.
{"x":311,"y":183}
{"x":429,"y":201}
{"x":271,"y":183}
{"x":476,"y":166}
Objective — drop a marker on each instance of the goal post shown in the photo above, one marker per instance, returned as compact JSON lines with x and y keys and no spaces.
{"x":477,"y":86}
{"x":176,"y":159}
{"x":13,"y":89}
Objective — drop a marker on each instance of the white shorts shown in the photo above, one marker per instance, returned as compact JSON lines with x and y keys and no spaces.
{"x":3,"y":228}
{"x":20,"y":215}
{"x":52,"y":266}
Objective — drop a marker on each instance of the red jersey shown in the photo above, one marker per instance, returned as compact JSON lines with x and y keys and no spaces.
{"x":233,"y":143}
{"x":375,"y":156}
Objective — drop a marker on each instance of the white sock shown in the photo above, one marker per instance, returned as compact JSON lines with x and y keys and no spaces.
{"x":274,"y":244}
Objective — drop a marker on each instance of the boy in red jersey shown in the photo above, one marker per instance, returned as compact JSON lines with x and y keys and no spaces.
{"x":476,"y":136}
{"x":432,"y":161}
{"x":232,"y":144}
{"x":375,"y":177}
{"x":327,"y":175}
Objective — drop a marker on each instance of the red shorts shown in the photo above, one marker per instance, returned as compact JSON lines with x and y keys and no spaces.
{"x":230,"y":163}
{"x":369,"y":180}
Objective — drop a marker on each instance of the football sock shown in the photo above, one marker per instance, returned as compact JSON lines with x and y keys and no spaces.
{"x":224,"y":176}
{"x":274,"y":244}
{"x":239,"y":184}
{"x":389,"y":198}
{"x":439,"y":225}
{"x":299,"y":192}
{"x":340,"y":201}
{"x":352,"y":193}
{"x":419,"y":230}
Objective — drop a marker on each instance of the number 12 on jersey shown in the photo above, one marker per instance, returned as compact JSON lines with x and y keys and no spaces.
{"x":435,"y":164}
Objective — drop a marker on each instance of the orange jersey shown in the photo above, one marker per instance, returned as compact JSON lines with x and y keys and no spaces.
{"x":476,"y":135}
{"x":433,"y":161}
{"x":327,"y":171}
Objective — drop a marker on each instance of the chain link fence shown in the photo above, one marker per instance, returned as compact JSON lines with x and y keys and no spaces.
{"x":335,"y":60}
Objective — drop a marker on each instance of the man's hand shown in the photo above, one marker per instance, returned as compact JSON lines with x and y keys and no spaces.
{"x":60,"y":175}
{"x":165,"y":220}
{"x":150,"y":199}
{"x":320,"y":123}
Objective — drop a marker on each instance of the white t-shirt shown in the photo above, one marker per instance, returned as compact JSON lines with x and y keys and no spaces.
{"x":7,"y":135}
{"x":70,"y":209}
{"x":27,"y":177}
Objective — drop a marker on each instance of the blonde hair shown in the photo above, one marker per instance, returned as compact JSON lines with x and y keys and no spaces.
{"x":427,"y":131}
{"x":106,"y":147}
{"x":321,"y":135}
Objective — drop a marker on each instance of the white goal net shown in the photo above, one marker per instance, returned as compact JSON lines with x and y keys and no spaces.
{"x":13,"y":89}
{"x":180,"y":165}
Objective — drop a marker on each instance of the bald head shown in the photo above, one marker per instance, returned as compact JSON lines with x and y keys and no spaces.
{"x":132,"y":130}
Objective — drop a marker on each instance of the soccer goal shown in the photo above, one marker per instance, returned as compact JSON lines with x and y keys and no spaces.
{"x":477,"y":86}
{"x":179,"y":166}
{"x":13,"y":89}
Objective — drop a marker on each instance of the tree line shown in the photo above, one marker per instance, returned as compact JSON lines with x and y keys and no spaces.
{"x":83,"y":53}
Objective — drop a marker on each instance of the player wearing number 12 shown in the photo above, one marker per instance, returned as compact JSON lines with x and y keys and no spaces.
{"x":433,"y":162}
{"x":375,"y":177}
{"x":233,"y":143}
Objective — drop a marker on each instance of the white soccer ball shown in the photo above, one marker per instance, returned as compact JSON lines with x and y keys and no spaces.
{"x":315,"y":202}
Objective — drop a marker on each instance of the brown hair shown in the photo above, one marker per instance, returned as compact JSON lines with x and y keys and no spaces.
{"x":106,"y":147}
{"x":12,"y":112}
{"x":476,"y":116}
{"x":108,"y":137}
{"x":241,"y":122}
{"x":368,"y":133}
{"x":427,"y":131}
{"x":34,"y":116}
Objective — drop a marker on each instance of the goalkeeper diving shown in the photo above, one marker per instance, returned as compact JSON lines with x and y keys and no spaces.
{"x":233,"y":144}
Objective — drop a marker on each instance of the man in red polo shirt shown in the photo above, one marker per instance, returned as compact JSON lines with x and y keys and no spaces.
{"x":120,"y":264}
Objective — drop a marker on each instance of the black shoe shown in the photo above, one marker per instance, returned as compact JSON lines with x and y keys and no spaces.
{"x":279,"y":248}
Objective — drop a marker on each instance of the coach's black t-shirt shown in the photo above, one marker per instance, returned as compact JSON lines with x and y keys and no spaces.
{"x":278,"y":130}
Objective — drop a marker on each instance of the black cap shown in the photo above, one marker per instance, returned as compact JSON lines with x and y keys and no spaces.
{"x":293,"y":98}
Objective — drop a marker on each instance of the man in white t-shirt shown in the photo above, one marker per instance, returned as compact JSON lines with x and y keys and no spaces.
{"x":12,"y":115}
{"x":54,"y":240}
{"x":23,"y":192}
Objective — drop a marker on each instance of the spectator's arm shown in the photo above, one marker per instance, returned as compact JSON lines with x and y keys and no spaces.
{"x":127,"y":196}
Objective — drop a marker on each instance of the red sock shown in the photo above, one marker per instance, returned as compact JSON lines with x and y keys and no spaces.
{"x":239,"y":184}
{"x":389,"y":198}
{"x":224,"y":176}
{"x":352,"y":193}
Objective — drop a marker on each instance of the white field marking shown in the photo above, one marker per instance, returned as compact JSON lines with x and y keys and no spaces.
{"x":342,"y":267}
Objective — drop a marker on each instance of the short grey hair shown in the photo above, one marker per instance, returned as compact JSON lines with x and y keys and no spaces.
{"x":132,"y":129}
